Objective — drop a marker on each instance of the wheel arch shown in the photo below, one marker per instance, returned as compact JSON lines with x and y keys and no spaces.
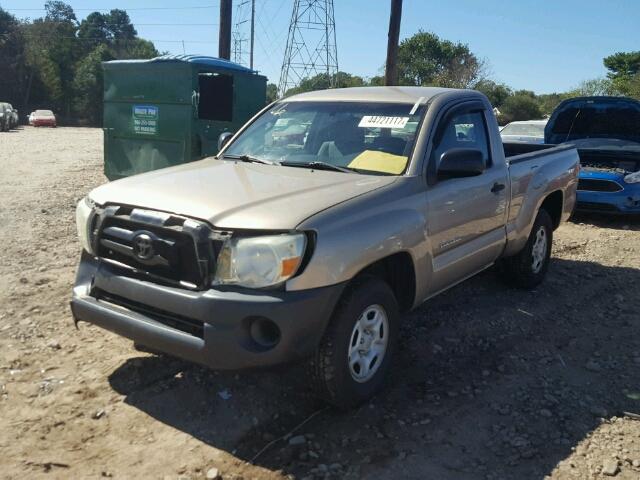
{"x":398,"y":271}
{"x":553,"y":204}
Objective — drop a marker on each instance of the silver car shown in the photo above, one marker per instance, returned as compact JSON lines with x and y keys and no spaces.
{"x":530,"y":131}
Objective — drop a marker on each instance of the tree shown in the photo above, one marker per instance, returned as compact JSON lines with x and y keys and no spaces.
{"x":425,"y":59}
{"x":61,"y":12}
{"x":622,"y":64}
{"x":624,"y":72}
{"x":63,"y":58}
{"x":323,"y":81}
{"x":88,"y":84}
{"x":497,"y":93}
{"x":134,"y":48}
{"x":520,"y":106}
{"x":53,"y":50}
{"x":272,"y":92}
{"x":549,"y":101}
{"x":94,"y":30}
{"x":119,"y":25}
{"x":594,"y":87}
{"x":12,"y":59}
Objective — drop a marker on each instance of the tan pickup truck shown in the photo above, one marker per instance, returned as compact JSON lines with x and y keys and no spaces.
{"x":319,"y":223}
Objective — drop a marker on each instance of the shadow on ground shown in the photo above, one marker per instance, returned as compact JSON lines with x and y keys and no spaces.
{"x":491,"y":383}
{"x":602,"y":220}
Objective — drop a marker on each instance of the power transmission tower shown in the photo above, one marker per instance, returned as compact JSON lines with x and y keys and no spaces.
{"x":239,"y":32}
{"x":311,"y":44}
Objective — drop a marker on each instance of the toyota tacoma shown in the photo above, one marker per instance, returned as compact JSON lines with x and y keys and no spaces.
{"x":319,"y":223}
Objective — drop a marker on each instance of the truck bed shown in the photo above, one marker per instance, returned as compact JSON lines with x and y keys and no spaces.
{"x":513,"y":150}
{"x":534,"y":169}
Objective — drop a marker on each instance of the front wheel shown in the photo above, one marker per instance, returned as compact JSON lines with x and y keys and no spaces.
{"x":355,"y":353}
{"x":528,"y":268}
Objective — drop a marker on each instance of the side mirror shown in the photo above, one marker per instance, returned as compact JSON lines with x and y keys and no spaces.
{"x":461,"y":162}
{"x":223,"y":139}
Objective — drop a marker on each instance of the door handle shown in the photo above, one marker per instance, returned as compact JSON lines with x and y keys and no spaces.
{"x":497,"y":187}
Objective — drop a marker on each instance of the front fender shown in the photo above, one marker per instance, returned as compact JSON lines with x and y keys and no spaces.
{"x":358,"y":233}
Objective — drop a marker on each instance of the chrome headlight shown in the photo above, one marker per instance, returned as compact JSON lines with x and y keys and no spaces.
{"x":85,"y":212}
{"x":633,"y":177}
{"x":258,"y":262}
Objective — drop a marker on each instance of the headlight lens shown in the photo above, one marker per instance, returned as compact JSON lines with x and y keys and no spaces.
{"x":258,"y":262}
{"x":84,"y":219}
{"x":633,"y":177}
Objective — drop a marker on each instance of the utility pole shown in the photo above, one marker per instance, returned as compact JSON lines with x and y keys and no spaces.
{"x":253,"y":26}
{"x":391,"y":68}
{"x":224,"y":38}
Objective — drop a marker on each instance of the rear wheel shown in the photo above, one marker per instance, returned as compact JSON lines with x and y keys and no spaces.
{"x":528,"y":268}
{"x":356,"y":351}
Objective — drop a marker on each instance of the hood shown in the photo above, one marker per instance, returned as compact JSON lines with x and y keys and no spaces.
{"x":607,"y":144}
{"x":594,"y":118}
{"x":234,"y":195}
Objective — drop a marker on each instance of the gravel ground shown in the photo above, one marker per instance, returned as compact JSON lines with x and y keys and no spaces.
{"x":491,"y":383}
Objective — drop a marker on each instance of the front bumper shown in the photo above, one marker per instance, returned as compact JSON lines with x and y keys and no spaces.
{"x":626,"y":201}
{"x":221,"y":323}
{"x":44,"y":123}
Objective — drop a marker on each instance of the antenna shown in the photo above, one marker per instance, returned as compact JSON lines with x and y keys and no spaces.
{"x":311,"y":44}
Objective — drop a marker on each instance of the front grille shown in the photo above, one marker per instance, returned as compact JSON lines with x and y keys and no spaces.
{"x":597,"y":207}
{"x":177,"y":250}
{"x":177,"y":322}
{"x":593,"y":185}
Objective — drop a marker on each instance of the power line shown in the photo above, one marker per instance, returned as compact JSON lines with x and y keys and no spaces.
{"x":111,"y":24}
{"x":91,"y":39}
{"x":109,"y":9}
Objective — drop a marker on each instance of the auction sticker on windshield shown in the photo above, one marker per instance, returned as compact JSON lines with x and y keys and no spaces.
{"x":145,"y":119}
{"x":379,"y":121}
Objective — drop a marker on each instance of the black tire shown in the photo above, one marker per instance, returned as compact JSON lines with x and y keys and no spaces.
{"x":520,"y":269}
{"x":329,"y":368}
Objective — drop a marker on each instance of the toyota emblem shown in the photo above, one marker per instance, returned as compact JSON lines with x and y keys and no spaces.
{"x":143,"y":246}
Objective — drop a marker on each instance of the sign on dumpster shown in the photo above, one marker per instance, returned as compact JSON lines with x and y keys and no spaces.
{"x":145,"y":119}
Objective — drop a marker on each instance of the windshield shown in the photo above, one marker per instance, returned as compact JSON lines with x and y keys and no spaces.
{"x":597,"y":119}
{"x":371,"y":138}
{"x":525,"y":129}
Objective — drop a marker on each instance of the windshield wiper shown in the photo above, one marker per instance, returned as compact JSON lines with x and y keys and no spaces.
{"x":318,"y":166}
{"x":249,"y":159}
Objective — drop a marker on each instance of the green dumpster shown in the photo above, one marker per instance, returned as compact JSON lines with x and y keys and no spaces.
{"x":172,"y":109}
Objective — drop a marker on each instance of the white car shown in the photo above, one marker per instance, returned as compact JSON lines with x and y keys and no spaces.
{"x":529,"y":131}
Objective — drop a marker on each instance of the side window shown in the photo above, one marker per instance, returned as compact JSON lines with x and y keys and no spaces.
{"x":465,"y":130}
{"x":216,"y":97}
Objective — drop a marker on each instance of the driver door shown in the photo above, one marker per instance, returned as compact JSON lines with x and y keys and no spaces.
{"x":465,"y":216}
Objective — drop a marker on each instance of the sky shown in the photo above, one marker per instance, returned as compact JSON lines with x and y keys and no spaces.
{"x":540,"y":45}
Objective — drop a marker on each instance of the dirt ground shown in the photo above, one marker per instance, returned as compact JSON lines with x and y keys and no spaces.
{"x":491,"y":382}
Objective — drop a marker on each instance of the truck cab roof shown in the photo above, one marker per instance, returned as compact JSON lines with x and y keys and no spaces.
{"x":394,"y":94}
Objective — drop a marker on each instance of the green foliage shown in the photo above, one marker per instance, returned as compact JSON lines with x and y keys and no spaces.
{"x":54,"y":61}
{"x":624,"y":73}
{"x":57,"y":11}
{"x":425,"y":59}
{"x":272,"y":92}
{"x":594,"y":87}
{"x":497,"y":93}
{"x":622,"y":64}
{"x":88,"y":84}
{"x":12,"y":59}
{"x":520,"y":106}
{"x":323,"y":81}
